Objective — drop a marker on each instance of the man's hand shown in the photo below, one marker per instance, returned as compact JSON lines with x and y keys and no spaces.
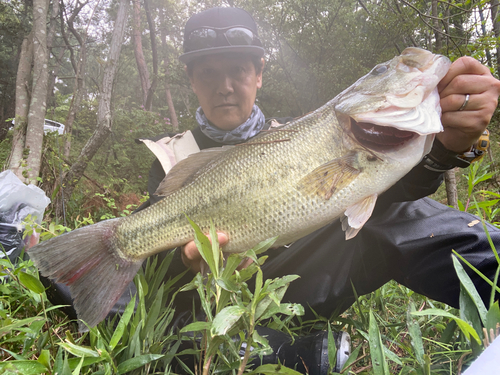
{"x":463,"y":128}
{"x":192,"y":259}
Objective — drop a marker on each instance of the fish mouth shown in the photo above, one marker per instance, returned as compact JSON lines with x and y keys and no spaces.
{"x":380,"y":138}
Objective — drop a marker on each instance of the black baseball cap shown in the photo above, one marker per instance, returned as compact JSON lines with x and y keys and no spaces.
{"x":220,"y":18}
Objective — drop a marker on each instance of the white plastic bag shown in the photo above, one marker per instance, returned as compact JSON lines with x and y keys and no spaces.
{"x":16,"y":202}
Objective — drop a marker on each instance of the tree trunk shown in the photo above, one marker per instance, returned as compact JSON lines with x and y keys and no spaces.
{"x":38,"y":106}
{"x":485,"y":33}
{"x":79,"y":81}
{"x":496,"y":29}
{"x":104,"y":110}
{"x":50,"y":40}
{"x":435,"y":24}
{"x":152,"y":34}
{"x":138,"y":51}
{"x":76,"y":99}
{"x":22,"y":106}
{"x":451,"y":188}
{"x":166,"y":63}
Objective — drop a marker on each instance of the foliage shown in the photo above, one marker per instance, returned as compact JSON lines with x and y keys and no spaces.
{"x":141,"y":340}
{"x":36,"y":338}
{"x":485,"y":202}
{"x":313,"y":51}
{"x":25,"y":316}
{"x":231,"y":310}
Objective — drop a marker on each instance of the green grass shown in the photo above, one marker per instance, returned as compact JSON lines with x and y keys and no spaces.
{"x":394,"y":330}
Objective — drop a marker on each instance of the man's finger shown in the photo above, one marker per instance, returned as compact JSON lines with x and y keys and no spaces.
{"x":190,"y":255}
{"x":464,"y":65}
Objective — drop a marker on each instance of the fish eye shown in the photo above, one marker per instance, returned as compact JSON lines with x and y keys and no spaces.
{"x":379,"y":69}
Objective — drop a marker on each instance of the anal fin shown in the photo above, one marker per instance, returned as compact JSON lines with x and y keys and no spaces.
{"x":357,"y":215}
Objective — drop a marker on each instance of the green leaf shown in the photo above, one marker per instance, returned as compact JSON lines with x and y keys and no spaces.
{"x":204,"y":247}
{"x":196,"y":327}
{"x":332,"y":348}
{"x":379,"y":364}
{"x":122,"y":324}
{"x":16,"y":325}
{"x":270,"y":369}
{"x":484,"y":204}
{"x":258,"y":287}
{"x":44,"y":358}
{"x":489,"y":193}
{"x":141,"y":285}
{"x":19,"y":357}
{"x":447,"y":334}
{"x":23,"y":367}
{"x":416,"y":335}
{"x":392,"y":356}
{"x":352,"y":357}
{"x":471,"y":289}
{"x":232,"y":263}
{"x":79,"y":351}
{"x":134,"y":363}
{"x":263,"y":342}
{"x":464,"y":326}
{"x":87,"y":361}
{"x":479,"y":273}
{"x":264,"y":245}
{"x":484,"y":177}
{"x":61,"y":366}
{"x":153,"y":313}
{"x":31,"y":282}
{"x":78,"y":367}
{"x":227,"y":284}
{"x":226,"y":319}
{"x":468,"y":311}
{"x":493,"y":317}
{"x":215,"y":249}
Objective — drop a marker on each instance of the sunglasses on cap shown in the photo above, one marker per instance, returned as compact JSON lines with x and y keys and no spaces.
{"x":210,"y":37}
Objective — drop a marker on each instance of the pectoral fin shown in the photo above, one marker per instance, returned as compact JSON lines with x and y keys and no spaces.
{"x":357,"y":215}
{"x":330,"y":177}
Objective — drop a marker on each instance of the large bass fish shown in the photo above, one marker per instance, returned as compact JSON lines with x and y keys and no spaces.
{"x":288,"y":182}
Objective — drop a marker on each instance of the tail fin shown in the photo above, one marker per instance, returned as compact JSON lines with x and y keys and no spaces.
{"x":88,"y":261}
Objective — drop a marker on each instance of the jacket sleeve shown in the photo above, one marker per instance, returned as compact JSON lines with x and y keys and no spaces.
{"x":418,"y":183}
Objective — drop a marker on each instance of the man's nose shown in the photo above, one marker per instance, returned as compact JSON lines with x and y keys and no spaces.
{"x":225,"y":86}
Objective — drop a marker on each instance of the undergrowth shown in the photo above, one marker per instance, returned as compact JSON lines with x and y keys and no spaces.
{"x":394,"y":330}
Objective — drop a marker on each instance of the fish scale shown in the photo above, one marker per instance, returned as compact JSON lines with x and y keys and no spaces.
{"x":286,"y":182}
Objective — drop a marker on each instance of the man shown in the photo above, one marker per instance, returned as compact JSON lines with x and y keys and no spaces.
{"x":407,"y":239}
{"x":410,"y":242}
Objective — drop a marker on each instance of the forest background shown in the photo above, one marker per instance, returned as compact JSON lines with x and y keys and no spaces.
{"x":109,"y":71}
{"x":110,"y":90}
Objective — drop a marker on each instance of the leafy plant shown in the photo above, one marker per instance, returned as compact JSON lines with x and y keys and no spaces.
{"x":231,"y":309}
{"x":486,"y":201}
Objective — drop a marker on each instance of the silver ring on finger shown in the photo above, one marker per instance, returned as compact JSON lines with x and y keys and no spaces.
{"x":466,"y":101}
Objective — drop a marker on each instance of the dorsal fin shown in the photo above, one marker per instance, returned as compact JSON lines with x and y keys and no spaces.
{"x":186,"y":170}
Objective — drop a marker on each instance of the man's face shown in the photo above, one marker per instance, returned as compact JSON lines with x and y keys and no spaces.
{"x":226,"y":86}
